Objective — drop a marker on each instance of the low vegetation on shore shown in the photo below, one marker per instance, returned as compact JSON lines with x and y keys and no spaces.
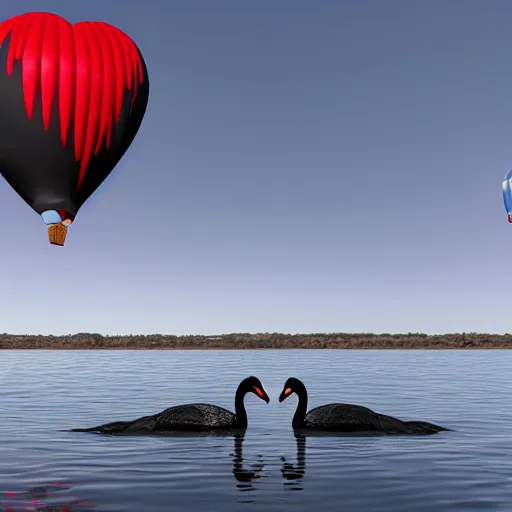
{"x":241,"y":341}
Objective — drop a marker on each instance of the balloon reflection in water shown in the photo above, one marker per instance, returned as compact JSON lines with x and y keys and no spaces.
{"x":44,"y":498}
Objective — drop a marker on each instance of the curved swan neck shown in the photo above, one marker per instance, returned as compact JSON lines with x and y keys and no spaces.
{"x":240,"y":412}
{"x":302,"y":407}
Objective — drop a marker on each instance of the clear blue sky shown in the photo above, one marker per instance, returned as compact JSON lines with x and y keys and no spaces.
{"x":303,"y":166}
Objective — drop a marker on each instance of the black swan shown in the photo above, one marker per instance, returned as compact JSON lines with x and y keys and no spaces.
{"x":347,"y":417}
{"x":189,"y":417}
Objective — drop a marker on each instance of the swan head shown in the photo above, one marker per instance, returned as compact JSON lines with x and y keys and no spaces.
{"x":254,"y":385}
{"x":292,"y":385}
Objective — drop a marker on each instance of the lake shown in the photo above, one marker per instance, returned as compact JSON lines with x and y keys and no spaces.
{"x":45,"y":393}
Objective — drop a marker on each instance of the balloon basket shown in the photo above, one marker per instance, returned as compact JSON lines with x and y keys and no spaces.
{"x":57,"y":234}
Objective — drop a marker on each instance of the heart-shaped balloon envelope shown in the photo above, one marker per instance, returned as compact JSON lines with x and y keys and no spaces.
{"x":72,"y":98}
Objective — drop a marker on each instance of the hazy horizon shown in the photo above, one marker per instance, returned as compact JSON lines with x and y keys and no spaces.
{"x":303,"y":167}
{"x":221,"y":334}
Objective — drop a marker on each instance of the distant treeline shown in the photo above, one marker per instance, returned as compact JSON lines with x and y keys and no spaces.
{"x":241,"y":341}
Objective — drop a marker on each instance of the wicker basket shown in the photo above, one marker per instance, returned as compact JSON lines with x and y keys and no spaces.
{"x":57,"y":234}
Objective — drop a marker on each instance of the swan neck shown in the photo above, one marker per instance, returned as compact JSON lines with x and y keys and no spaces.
{"x":240,"y":412}
{"x":302,"y":407}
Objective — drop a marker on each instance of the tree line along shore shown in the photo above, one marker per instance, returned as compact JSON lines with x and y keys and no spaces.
{"x":242,"y":341}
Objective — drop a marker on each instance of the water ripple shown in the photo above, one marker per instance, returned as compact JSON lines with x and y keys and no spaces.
{"x":43,"y":394}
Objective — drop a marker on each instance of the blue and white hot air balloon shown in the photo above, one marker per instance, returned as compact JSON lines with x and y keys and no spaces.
{"x":507,"y":194}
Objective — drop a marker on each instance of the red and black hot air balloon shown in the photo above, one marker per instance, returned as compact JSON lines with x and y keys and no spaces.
{"x":72,"y":98}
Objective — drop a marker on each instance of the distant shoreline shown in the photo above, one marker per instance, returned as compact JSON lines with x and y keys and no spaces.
{"x":266,"y":341}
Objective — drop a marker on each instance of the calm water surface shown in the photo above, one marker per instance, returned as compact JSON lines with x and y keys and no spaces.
{"x":44,"y":393}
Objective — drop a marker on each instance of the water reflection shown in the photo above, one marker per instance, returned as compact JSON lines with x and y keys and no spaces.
{"x":294,"y":473}
{"x":245,"y":476}
{"x":43,"y":498}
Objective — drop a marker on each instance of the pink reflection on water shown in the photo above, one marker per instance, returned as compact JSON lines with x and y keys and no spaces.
{"x":44,"y":498}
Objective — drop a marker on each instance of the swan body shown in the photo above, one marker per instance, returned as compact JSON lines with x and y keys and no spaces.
{"x":339,"y":417}
{"x":189,"y":417}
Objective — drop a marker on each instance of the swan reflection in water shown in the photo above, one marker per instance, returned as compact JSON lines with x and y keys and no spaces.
{"x":294,"y":473}
{"x":245,"y":476}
